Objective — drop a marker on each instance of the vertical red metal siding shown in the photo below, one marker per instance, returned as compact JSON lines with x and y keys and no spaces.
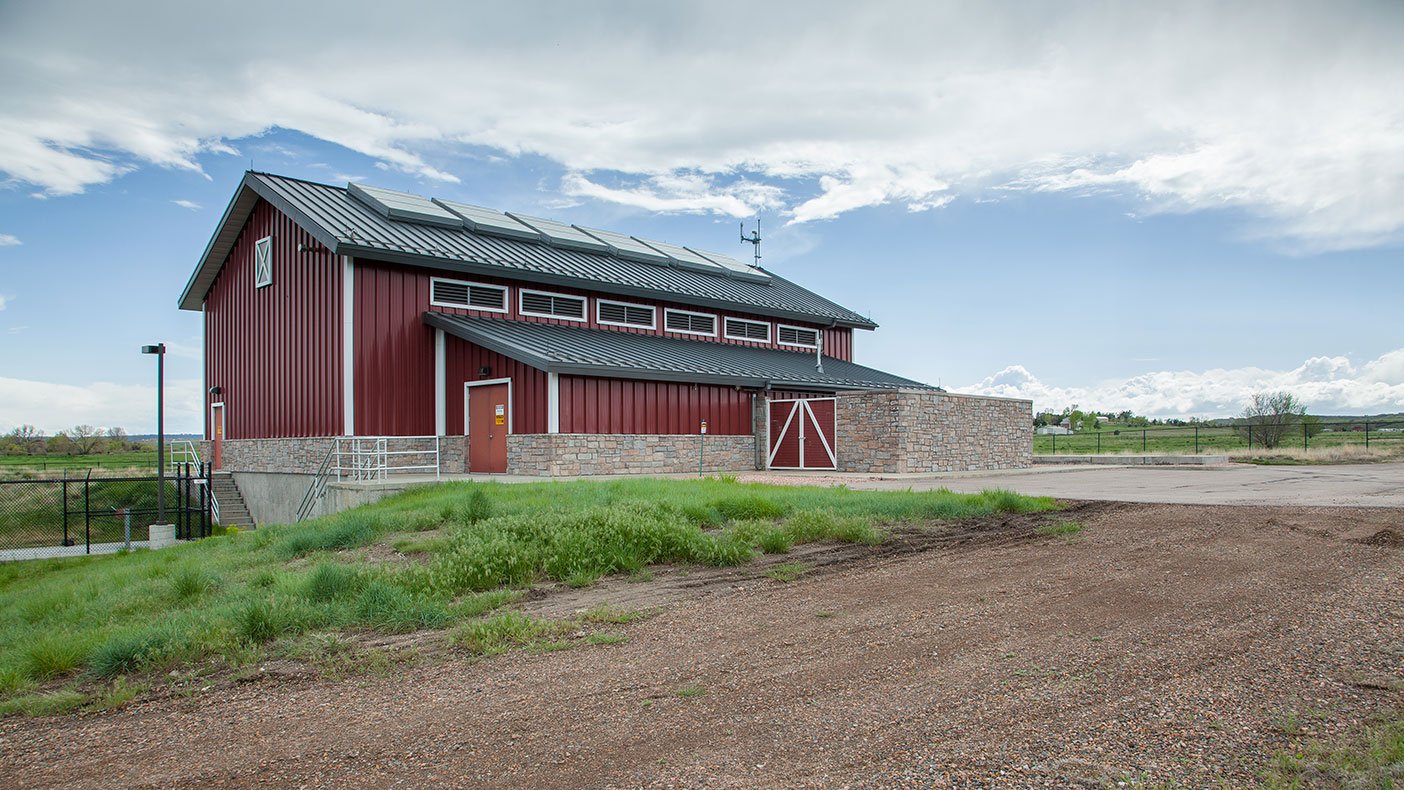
{"x":603,"y":405}
{"x":462,"y":362}
{"x":394,"y":358}
{"x":275,"y":352}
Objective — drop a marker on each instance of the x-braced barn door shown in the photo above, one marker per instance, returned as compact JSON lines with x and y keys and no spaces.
{"x":803,"y":434}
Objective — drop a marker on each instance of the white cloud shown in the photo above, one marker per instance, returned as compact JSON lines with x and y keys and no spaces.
{"x":4,"y":301}
{"x":1285,"y":111}
{"x":681,"y":193}
{"x":54,"y":407}
{"x":6,"y":240}
{"x":1328,"y":385}
{"x":190,"y":204}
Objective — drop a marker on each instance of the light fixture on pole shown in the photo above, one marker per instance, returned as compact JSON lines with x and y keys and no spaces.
{"x":160,"y":351}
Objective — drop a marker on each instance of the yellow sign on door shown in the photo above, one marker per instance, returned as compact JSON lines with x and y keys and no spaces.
{"x":501,"y":414}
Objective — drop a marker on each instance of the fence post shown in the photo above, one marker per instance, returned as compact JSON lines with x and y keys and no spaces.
{"x":87,"y":516}
{"x":1250,"y":436}
{"x":65,"y":509}
{"x":1304,"y":435}
{"x":1367,"y":434}
{"x":1196,"y":440}
{"x":1099,"y":442}
{"x":1143,"y":440}
{"x":1055,"y":442}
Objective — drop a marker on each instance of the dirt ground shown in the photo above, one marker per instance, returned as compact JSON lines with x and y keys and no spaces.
{"x":1163,"y":642}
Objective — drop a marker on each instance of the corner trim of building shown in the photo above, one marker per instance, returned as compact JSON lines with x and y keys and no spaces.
{"x":553,"y":402}
{"x":440,"y":382}
{"x":348,"y":346}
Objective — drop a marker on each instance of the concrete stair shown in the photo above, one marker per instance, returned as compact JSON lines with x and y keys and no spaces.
{"x":232,"y":511}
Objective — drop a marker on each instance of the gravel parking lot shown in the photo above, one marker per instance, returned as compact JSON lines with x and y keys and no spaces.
{"x":1165,"y":642}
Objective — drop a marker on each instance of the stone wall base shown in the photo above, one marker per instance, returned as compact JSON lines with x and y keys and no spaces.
{"x":914,"y":431}
{"x":570,"y":454}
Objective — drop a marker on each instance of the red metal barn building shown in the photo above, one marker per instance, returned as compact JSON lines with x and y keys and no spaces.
{"x":352,"y":332}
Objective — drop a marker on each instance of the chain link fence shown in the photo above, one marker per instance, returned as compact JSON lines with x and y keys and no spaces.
{"x":88,"y":515}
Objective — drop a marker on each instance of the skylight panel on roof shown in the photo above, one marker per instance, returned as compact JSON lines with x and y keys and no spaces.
{"x":490,"y":222}
{"x":403,"y":206}
{"x":681,"y":257}
{"x":559,"y":234}
{"x":735,"y":268}
{"x":627,"y":247}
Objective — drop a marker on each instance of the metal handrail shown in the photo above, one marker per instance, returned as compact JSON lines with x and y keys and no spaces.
{"x":361,"y":459}
{"x":182,"y":451}
{"x":319,"y":484}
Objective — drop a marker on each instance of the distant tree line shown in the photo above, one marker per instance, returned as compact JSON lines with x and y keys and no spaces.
{"x":78,"y":440}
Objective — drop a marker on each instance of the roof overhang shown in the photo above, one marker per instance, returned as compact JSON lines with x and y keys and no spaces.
{"x":480,"y":333}
{"x":245,"y":199}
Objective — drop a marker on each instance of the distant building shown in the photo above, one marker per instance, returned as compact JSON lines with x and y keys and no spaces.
{"x":1060,"y":430}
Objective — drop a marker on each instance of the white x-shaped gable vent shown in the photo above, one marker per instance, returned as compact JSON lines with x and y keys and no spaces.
{"x":263,"y":262}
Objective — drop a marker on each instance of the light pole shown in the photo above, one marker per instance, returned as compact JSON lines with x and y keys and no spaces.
{"x":160,"y":351}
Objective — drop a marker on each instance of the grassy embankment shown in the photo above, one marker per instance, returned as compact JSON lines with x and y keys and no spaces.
{"x":91,"y":632}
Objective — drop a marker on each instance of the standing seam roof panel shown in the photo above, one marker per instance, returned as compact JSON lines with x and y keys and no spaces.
{"x":352,"y":223}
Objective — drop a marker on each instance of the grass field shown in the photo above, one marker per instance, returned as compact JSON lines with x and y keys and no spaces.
{"x":84,"y":632}
{"x":1112,"y":438}
{"x":10,"y":465}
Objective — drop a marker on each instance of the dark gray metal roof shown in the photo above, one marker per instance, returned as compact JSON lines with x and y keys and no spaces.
{"x":348,"y":226}
{"x":556,"y":348}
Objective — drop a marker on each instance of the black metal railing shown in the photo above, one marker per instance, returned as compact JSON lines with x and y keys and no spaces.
{"x":88,"y":511}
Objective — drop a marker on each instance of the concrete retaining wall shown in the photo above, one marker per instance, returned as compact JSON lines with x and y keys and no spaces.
{"x":564,"y":454}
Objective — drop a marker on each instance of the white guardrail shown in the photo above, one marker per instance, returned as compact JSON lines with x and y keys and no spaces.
{"x":362,"y":458}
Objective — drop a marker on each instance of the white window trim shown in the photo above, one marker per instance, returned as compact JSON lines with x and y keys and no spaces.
{"x":652,"y":313}
{"x":715,"y":318}
{"x":506,"y":295}
{"x":585,"y":313}
{"x":730,"y":336}
{"x":266,"y":244}
{"x":816,"y":332}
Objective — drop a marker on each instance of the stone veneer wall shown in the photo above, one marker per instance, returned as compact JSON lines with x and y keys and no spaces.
{"x":552,"y":454}
{"x":901,"y":431}
{"x":303,"y":455}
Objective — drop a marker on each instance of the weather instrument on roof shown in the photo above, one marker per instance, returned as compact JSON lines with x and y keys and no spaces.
{"x":754,"y":239}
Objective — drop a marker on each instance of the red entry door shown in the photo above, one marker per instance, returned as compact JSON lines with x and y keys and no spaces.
{"x":803,"y":434}
{"x":217,"y":432}
{"x":489,"y":419}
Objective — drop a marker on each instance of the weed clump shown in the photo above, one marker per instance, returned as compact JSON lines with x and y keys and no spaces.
{"x":748,"y":506}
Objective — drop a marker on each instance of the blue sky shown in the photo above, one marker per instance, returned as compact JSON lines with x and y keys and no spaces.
{"x":1102,"y":205}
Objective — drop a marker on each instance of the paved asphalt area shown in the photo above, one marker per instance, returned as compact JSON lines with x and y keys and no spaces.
{"x":1347,"y":485}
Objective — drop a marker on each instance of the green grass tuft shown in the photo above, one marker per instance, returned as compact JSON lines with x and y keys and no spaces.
{"x":1062,"y":529}
{"x":52,"y":654}
{"x":789,"y":571}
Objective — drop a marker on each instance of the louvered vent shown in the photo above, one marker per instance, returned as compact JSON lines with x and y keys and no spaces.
{"x":692,"y":323}
{"x":795,"y":336}
{"x":739,"y":329}
{"x":453,"y":293}
{"x":627,"y":314}
{"x":537,"y":303}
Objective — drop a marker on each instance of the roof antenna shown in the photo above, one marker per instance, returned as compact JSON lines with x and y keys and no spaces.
{"x":754,"y":239}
